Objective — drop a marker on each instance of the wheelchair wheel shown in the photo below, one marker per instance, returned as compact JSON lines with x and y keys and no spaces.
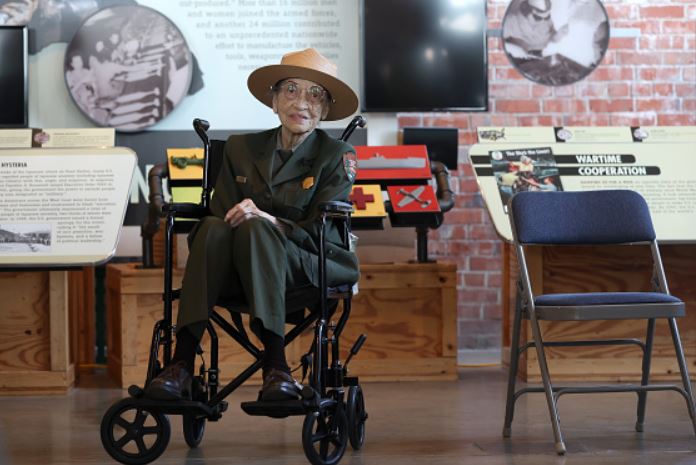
{"x":134,"y":435}
{"x":325,"y":436}
{"x":195,"y":427}
{"x":355,"y":408}
{"x":193,"y":430}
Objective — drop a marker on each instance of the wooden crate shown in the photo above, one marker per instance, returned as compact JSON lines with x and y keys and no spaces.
{"x":407,"y":310}
{"x":35,"y":342}
{"x":572,"y":269}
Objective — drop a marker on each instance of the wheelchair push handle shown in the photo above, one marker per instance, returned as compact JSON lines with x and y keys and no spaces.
{"x":355,"y":122}
{"x":201,"y":127}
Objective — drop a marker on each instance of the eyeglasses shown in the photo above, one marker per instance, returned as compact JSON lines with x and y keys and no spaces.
{"x":292,"y":91}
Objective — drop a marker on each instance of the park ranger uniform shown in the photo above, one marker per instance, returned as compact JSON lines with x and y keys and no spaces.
{"x":256,"y":262}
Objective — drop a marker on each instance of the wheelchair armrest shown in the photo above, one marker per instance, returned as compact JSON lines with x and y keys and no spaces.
{"x":335,"y":207}
{"x":186,"y":210}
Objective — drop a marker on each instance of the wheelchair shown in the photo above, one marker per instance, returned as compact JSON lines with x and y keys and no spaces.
{"x":136,"y":430}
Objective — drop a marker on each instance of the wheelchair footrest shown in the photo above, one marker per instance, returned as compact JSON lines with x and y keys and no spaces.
{"x":275,"y":409}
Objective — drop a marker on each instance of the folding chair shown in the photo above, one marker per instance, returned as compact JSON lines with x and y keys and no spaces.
{"x":612,"y":217}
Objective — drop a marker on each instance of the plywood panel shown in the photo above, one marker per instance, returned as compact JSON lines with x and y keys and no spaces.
{"x":410,"y":335}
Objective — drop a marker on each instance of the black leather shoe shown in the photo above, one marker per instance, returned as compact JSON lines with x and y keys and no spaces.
{"x":279,"y":385}
{"x":173,"y":383}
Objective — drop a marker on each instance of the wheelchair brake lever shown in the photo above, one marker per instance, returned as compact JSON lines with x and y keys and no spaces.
{"x":355,"y":349}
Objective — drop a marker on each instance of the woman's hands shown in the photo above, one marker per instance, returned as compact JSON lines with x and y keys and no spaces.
{"x":247,"y":209}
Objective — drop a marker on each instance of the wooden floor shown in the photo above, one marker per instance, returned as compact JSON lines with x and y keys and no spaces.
{"x":430,"y":423}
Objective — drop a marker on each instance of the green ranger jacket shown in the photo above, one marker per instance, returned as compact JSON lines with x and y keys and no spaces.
{"x":313,"y":174}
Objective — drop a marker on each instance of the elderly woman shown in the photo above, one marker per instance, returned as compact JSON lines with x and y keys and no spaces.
{"x":263,"y":236}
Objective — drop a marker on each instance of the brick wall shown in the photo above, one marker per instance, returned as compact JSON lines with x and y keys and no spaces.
{"x":645,"y":80}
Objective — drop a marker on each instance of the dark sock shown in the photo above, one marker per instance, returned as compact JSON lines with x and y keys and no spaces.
{"x":274,"y":351}
{"x":186,"y":344}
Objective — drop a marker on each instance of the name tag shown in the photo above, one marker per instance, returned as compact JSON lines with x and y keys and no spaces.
{"x":240,"y":179}
{"x":308,"y":182}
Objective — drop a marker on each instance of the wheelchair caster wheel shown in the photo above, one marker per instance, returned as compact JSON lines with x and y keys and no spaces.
{"x":193,"y":430}
{"x":134,"y":435}
{"x":325,"y":437}
{"x":356,"y":414}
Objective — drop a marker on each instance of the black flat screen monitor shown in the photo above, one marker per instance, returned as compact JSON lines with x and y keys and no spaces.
{"x":13,"y":77}
{"x":442,"y":143}
{"x":424,"y":55}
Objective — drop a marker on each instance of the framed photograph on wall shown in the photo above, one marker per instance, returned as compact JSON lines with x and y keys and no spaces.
{"x":555,"y":42}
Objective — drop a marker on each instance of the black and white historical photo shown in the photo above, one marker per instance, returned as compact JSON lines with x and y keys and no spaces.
{"x":555,"y":42}
{"x":128,"y":67}
{"x":24,"y":238}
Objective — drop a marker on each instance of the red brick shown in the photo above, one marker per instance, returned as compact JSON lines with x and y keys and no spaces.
{"x":689,"y":105}
{"x":678,"y":27}
{"x":620,"y":43}
{"x":679,"y":58}
{"x":579,"y":106}
{"x":541,"y":91}
{"x":663,"y":89}
{"x":467,"y":138}
{"x":507,"y":73}
{"x":515,"y":90}
{"x":492,"y":312}
{"x":689,"y":74}
{"x":662,"y":73}
{"x":534,"y":120}
{"x":497,"y":58}
{"x":489,"y":248}
{"x":479,"y":295}
{"x":480,"y":119}
{"x":620,"y":10}
{"x":646,"y":27}
{"x":639,"y":58}
{"x":494,"y":279}
{"x":465,"y":216}
{"x":484,"y":264}
{"x":656,"y":105}
{"x":609,"y":58}
{"x":406,"y":121}
{"x":474,"y":279}
{"x":517,"y":106}
{"x":450,"y":120}
{"x":604,"y":106}
{"x":466,"y":170}
{"x":634,"y":119}
{"x":678,"y":43}
{"x":641,"y":89}
{"x":677,"y":120}
{"x":456,"y":248}
{"x":611,"y":73}
{"x":469,"y":311}
{"x":663,"y":11}
{"x":686,"y":90}
{"x":589,"y":119}
{"x":618,"y":90}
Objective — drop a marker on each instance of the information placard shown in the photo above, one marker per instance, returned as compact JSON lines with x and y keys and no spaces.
{"x":62,"y":206}
{"x":660,"y":172}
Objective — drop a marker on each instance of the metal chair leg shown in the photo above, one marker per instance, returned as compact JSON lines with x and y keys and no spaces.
{"x":683,"y":370}
{"x":548,"y":389}
{"x":514,"y":366}
{"x":645,"y":377}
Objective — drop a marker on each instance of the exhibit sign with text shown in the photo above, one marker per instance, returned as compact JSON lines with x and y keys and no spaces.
{"x":658,"y":171}
{"x":62,"y":207}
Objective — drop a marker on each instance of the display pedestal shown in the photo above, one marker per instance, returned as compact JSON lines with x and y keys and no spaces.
{"x":568,"y":269}
{"x":407,"y":310}
{"x":35,"y":355}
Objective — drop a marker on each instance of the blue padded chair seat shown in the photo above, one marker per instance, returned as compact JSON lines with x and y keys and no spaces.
{"x":607,"y":306}
{"x":605,"y":298}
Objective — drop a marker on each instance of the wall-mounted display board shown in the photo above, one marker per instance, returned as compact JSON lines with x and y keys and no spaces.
{"x":653,"y":161}
{"x":62,"y":207}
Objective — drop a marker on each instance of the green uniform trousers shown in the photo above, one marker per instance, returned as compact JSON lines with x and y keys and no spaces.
{"x":252,"y":264}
